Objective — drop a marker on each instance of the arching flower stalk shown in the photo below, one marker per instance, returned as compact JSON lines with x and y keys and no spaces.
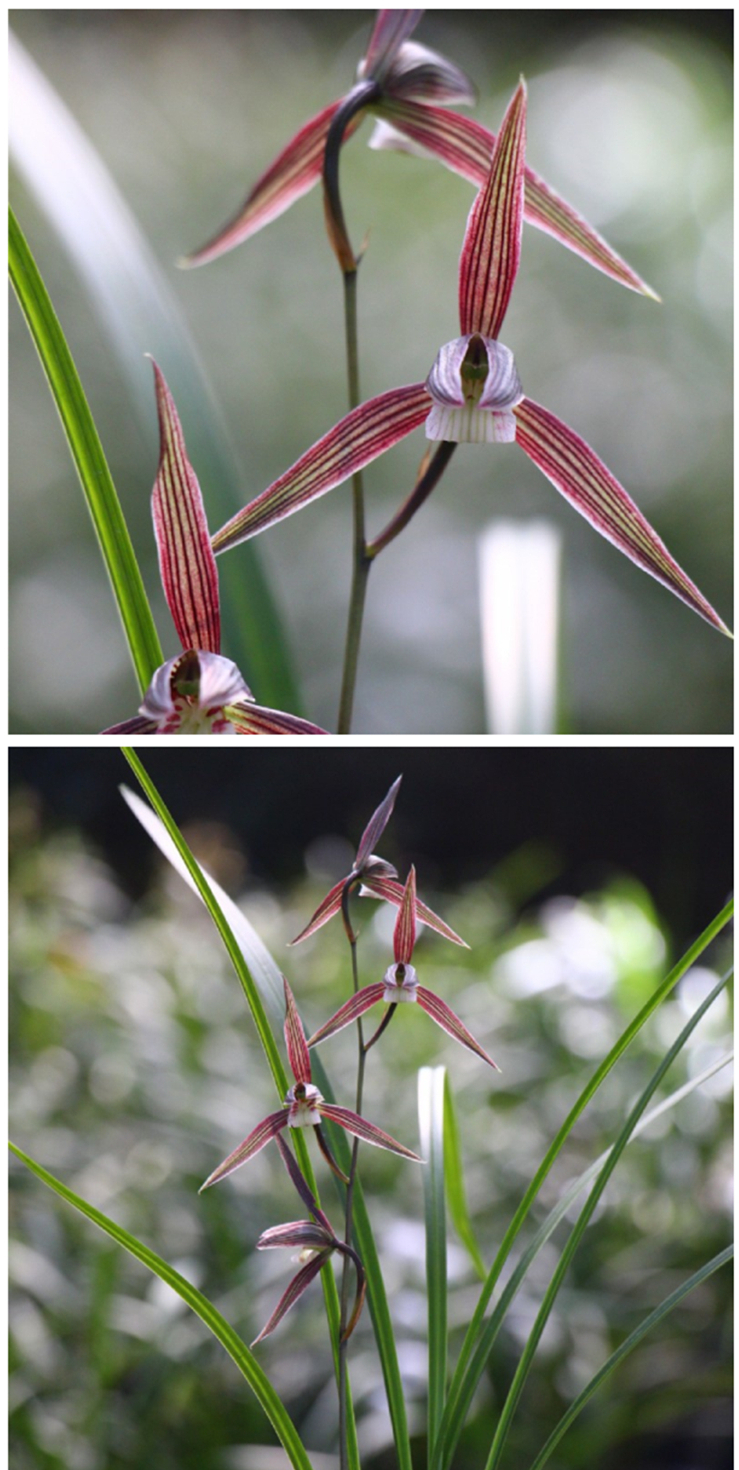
{"x":473,"y":394}
{"x":400,"y":986}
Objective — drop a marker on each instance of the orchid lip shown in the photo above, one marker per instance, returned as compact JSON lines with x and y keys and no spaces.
{"x":400,"y":983}
{"x":473,"y":385}
{"x":304,"y":1101}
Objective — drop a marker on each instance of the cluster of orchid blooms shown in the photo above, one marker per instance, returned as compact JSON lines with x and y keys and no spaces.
{"x":472,"y":394}
{"x":304,"y":1107}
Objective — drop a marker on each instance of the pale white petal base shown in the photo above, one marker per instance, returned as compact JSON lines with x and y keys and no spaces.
{"x":470,"y":425}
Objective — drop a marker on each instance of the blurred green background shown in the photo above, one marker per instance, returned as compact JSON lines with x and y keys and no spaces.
{"x":630,"y":118}
{"x":134,"y":1069}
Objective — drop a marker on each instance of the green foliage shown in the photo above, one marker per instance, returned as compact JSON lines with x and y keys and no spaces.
{"x":133,"y":1070}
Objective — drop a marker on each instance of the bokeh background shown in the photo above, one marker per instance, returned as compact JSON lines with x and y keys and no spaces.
{"x":630,"y":118}
{"x":577,"y":878}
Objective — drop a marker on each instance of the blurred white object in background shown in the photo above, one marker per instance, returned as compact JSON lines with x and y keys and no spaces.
{"x":519,"y":565}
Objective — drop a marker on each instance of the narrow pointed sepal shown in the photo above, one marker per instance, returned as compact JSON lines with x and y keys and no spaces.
{"x":352,"y":1009}
{"x":378,"y":886}
{"x":261,"y":1135}
{"x":296,"y":169}
{"x":360,"y":437}
{"x":442,"y":1014}
{"x":294,"y":1291}
{"x":369,"y":1132}
{"x":576,"y":471}
{"x":139,"y":725}
{"x":186,"y":562}
{"x":298,"y":1234}
{"x":297,"y":1049}
{"x":391,"y":29}
{"x":376,"y":825}
{"x":404,"y":937}
{"x":329,"y":906}
{"x":492,"y":245}
{"x":254,"y":719}
{"x":465,"y":147}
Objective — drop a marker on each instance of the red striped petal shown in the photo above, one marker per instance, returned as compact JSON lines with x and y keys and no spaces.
{"x":391,"y":29}
{"x":297,"y":1049}
{"x":492,"y":244}
{"x":368,"y":1131}
{"x":377,"y":824}
{"x":350,"y":1011}
{"x":295,"y":1290}
{"x":404,"y":937}
{"x":354,"y":442}
{"x":329,"y":906}
{"x":257,"y":1139}
{"x":576,"y":471}
{"x":254,"y":719}
{"x":186,"y":562}
{"x":295,"y":171}
{"x":442,"y":1014}
{"x":375,"y":885}
{"x":465,"y":146}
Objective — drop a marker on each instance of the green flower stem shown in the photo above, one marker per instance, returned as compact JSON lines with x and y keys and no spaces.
{"x":349,"y":1211}
{"x":89,"y":459}
{"x":352,"y":105}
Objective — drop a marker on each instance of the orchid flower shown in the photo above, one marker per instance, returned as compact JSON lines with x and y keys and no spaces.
{"x":402,"y":84}
{"x":473,"y":394}
{"x":316,"y":1240}
{"x":198,"y":692}
{"x":304,"y":1108}
{"x":375,"y":879}
{"x":400,"y":984}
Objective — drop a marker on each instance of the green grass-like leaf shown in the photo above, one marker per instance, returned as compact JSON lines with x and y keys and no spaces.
{"x":199,"y":1304}
{"x":432,"y":1133}
{"x":455,"y":1185}
{"x":526,"y":1359}
{"x":89,"y":459}
{"x":628,"y":1344}
{"x":466,"y":1373}
{"x":139,"y":312}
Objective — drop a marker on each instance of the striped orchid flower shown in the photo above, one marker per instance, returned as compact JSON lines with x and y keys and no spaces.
{"x":304,"y":1107}
{"x":473,"y":394}
{"x":316,"y":1241}
{"x":400,"y":985}
{"x":375,"y":878}
{"x":199,"y":692}
{"x":409,"y":90}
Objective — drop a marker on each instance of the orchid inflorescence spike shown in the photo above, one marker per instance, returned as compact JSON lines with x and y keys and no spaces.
{"x":473,"y":394}
{"x":400,"y":984}
{"x":304,"y":1107}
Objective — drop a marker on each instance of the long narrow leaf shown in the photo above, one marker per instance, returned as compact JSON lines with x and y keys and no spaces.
{"x":543,"y":1234}
{"x":456,"y":1389}
{"x":256,"y":985}
{"x":89,"y":459}
{"x":139,"y":312}
{"x":455,"y":1185}
{"x":199,"y":1304}
{"x":550,"y":1295}
{"x":627,"y":1346}
{"x":431,"y":1128}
